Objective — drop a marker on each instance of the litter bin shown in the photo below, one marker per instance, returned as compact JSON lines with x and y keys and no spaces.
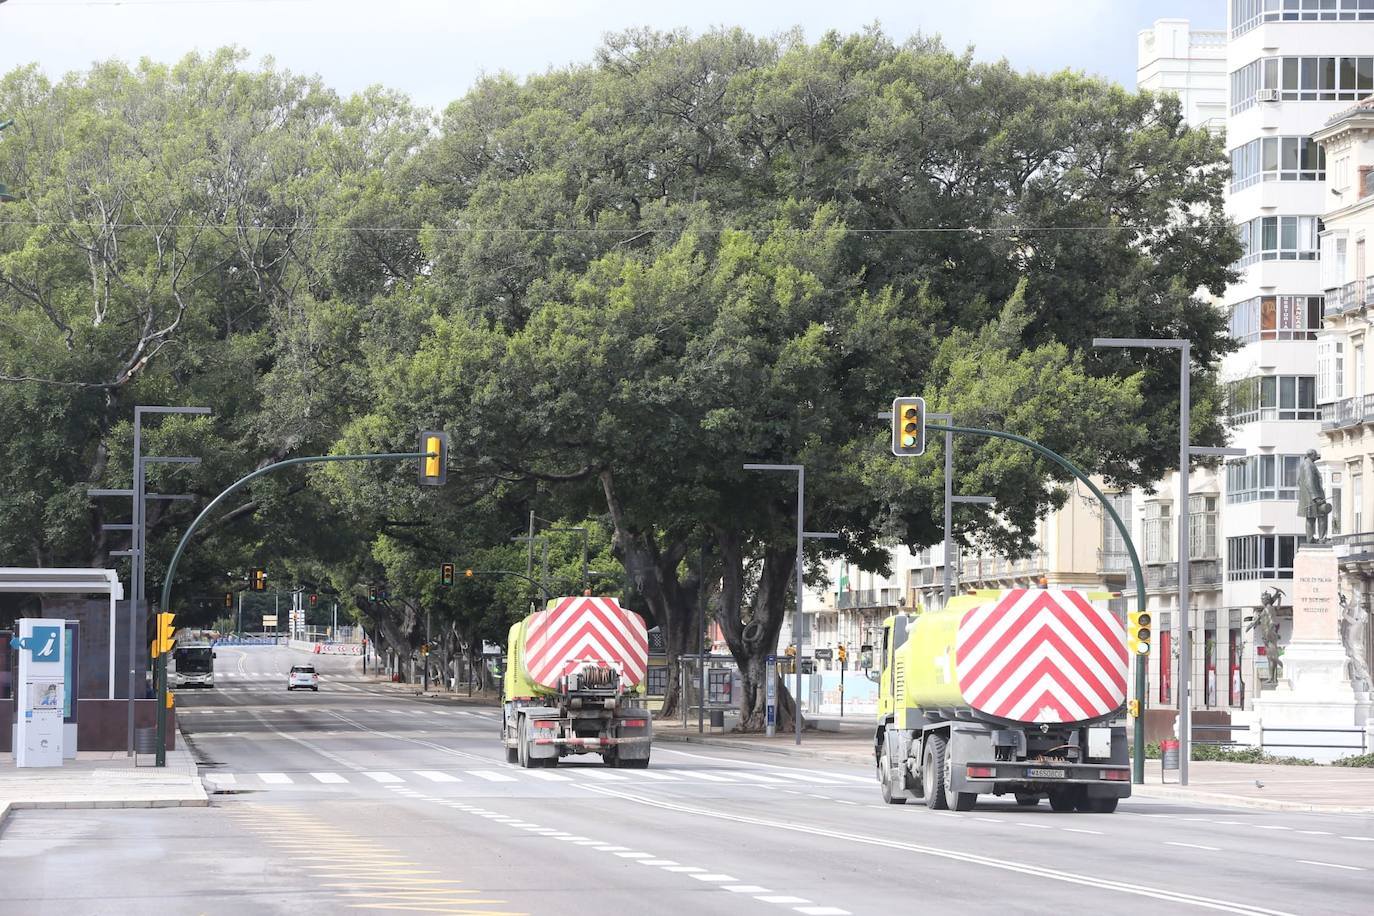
{"x":1168,"y":753}
{"x":145,"y":742}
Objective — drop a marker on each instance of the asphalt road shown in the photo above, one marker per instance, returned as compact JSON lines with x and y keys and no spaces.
{"x":364,"y":797}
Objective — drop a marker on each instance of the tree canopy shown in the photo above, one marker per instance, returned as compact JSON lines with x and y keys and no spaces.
{"x":613,"y":284}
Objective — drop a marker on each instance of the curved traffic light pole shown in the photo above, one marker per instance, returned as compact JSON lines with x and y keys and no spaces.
{"x":186,"y":539}
{"x":1138,"y":734}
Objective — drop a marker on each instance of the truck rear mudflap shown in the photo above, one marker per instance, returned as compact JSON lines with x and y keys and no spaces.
{"x":1039,"y":776}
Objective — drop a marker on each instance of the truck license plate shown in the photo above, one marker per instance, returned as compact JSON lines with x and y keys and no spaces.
{"x":1042,"y":773}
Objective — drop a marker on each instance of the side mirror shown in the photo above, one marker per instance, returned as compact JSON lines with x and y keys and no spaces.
{"x":873,"y":675}
{"x":214,"y":655}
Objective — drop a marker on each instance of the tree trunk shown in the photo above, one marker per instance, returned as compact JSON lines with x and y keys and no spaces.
{"x":654,"y":569}
{"x":753,"y":636}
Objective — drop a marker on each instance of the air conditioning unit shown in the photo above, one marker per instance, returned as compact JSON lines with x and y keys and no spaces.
{"x":1266,"y":95}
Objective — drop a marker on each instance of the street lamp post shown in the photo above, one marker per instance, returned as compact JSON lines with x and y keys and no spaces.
{"x":798,"y":615}
{"x":1186,"y":452}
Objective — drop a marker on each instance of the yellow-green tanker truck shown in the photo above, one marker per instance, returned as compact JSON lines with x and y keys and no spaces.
{"x":1004,"y":692}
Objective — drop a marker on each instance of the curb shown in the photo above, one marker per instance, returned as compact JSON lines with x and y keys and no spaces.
{"x":841,"y":756}
{"x":1245,"y":801}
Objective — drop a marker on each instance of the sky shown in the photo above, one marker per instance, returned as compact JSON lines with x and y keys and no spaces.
{"x":434,"y":50}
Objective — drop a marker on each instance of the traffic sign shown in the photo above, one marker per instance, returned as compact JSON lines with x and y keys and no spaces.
{"x":825,"y":655}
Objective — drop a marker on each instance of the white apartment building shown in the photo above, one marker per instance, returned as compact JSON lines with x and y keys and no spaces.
{"x":1293,"y":64}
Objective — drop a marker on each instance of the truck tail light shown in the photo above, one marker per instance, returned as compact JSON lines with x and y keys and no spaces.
{"x":633,"y":723}
{"x":1117,"y":775}
{"x":981,"y":772}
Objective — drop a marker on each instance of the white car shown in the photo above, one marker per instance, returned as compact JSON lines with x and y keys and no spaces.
{"x":303,"y":676}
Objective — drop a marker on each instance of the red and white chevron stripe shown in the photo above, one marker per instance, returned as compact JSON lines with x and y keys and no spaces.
{"x":1042,"y":655}
{"x":579,"y":631}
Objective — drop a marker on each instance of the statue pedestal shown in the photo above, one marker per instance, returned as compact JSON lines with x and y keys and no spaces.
{"x":1315,"y":690}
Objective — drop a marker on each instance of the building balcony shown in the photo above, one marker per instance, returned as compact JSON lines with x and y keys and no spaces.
{"x":1350,"y":297}
{"x":866,"y":598}
{"x":1348,"y":412}
{"x":1111,"y":562}
{"x":1201,"y":574}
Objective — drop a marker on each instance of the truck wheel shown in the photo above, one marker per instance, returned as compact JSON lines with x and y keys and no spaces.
{"x":512,"y":755}
{"x":1026,"y":800}
{"x":1099,"y":805}
{"x":959,"y":801}
{"x":1062,"y":800}
{"x":523,"y":733}
{"x":933,"y":773}
{"x":885,"y":782}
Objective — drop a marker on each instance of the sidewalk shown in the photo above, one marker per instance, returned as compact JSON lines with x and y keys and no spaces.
{"x":1329,"y":790}
{"x":102,"y":779}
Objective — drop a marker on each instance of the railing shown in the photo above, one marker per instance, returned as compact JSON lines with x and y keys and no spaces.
{"x":1359,"y":542}
{"x":1348,"y":412}
{"x":1361,"y":748}
{"x":865,"y":598}
{"x":1113,"y":561}
{"x":1200,"y":573}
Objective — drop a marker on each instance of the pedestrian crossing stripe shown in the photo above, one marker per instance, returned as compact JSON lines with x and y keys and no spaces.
{"x":568,"y":774}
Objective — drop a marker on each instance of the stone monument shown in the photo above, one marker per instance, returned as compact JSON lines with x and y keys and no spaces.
{"x":1316,"y":689}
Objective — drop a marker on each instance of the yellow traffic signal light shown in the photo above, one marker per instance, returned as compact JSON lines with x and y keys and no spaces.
{"x":434,"y":464}
{"x":1133,"y":708}
{"x":164,"y":635}
{"x":468,"y":573}
{"x":908,"y":427}
{"x":257,"y":579}
{"x":228,"y":599}
{"x":1138,"y":632}
{"x":446,"y":574}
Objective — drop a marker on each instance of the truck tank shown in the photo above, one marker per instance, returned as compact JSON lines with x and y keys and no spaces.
{"x":578,"y":643}
{"x":1023,"y":655}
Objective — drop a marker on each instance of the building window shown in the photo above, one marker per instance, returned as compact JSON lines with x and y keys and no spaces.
{"x":1272,"y":397}
{"x":1303,"y":79}
{"x":1335,"y":493}
{"x":1330,"y":370}
{"x":1246,"y":14}
{"x":1356,"y":502}
{"x":1277,"y":318}
{"x":1260,"y":556}
{"x":1202,"y":527}
{"x":1159,"y":533}
{"x":1262,"y":477}
{"x":1277,"y":159}
{"x":1279,"y":238}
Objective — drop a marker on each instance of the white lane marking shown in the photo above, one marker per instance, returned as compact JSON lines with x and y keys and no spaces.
{"x":1081,"y":830}
{"x":223,"y":779}
{"x":611,"y":848}
{"x":570,"y":838}
{"x":436,"y":776}
{"x":491,"y":776}
{"x":1330,"y":865}
{"x":635,"y":855}
{"x":693,"y":774}
{"x":550,"y":777}
{"x":1036,"y":826}
{"x":715,"y":879}
{"x":657,"y":862}
{"x":275,"y":779}
{"x":601,"y":774}
{"x":756,"y":777}
{"x":804,"y":776}
{"x":1194,"y":846}
{"x":1315,"y":832}
{"x":1035,"y":871}
{"x":682,"y":869}
{"x":990,"y":820}
{"x":383,"y":777}
{"x":782,"y":898}
{"x":821,"y":910}
{"x":1271,"y":827}
{"x":1360,"y":839}
{"x":329,"y":777}
{"x":745,"y":889}
{"x":650,"y":774}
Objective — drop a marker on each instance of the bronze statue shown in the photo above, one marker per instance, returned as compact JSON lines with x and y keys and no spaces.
{"x":1313,"y":505}
{"x":1266,"y":626}
{"x":1353,"y":625}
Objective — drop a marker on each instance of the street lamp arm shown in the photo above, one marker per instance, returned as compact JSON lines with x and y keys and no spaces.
{"x":510,"y":572}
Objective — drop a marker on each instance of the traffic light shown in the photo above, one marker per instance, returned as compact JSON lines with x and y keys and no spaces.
{"x":313,"y":599}
{"x":164,"y":635}
{"x":1133,"y":708}
{"x":908,"y":427}
{"x":446,"y":574}
{"x":790,"y":651}
{"x":228,"y":599}
{"x":467,"y":573}
{"x":841,"y":653}
{"x":434,"y":464}
{"x":257,"y":580}
{"x":1138,"y":632}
